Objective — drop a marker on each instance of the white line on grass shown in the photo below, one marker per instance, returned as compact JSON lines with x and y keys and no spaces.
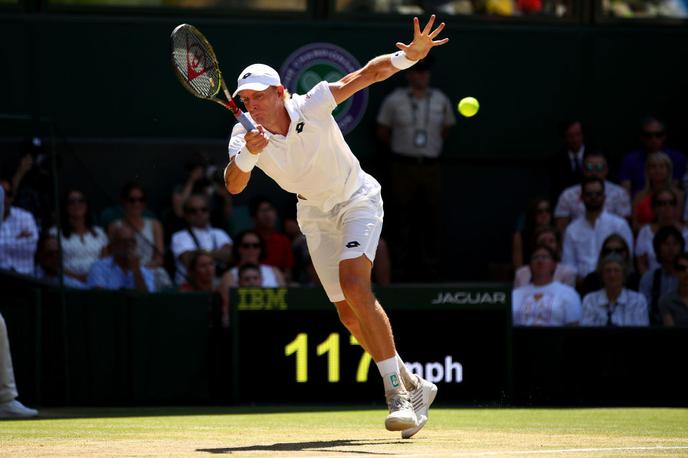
{"x":573,"y":450}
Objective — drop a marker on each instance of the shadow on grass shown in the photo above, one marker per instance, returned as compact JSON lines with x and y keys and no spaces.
{"x":301,"y":446}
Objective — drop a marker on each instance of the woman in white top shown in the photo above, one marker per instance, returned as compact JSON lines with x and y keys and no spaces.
{"x":82,"y":242}
{"x":563,"y":273}
{"x":666,"y":210}
{"x":614,"y":305}
{"x":149,"y":234}
{"x":249,"y":249}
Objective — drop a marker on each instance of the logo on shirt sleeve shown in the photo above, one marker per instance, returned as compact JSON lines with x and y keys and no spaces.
{"x":299,"y":127}
{"x":353,"y":244}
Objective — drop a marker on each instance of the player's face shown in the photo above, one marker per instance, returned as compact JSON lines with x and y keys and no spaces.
{"x":262,"y":105}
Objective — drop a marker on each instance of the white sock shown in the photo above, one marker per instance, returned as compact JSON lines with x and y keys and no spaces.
{"x":406,"y":375}
{"x":389,"y":369}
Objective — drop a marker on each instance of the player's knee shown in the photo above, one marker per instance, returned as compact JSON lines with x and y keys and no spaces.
{"x":356,"y":291}
{"x":348,"y":319}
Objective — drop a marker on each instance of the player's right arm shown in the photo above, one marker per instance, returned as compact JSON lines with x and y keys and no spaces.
{"x":247,"y":143}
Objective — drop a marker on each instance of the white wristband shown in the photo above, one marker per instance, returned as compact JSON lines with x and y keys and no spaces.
{"x":245,"y":160}
{"x":400,"y":61}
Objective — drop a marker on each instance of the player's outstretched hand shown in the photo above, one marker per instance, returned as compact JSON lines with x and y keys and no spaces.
{"x":423,"y":41}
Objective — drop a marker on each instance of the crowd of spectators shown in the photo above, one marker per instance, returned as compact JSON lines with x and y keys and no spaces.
{"x":622,"y":261}
{"x":596,"y":245}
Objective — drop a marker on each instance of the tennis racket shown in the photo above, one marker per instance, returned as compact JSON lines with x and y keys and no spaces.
{"x":196,"y":67}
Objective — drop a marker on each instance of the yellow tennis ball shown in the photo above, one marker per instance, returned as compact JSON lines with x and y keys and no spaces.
{"x":468,"y":106}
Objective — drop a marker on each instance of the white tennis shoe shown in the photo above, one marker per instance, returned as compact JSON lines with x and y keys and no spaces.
{"x":421,"y":399}
{"x":401,"y":414}
{"x":15,"y":409}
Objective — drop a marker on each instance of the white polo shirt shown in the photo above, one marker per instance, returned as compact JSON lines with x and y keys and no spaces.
{"x":583,"y":241}
{"x":554,"y":304}
{"x":313,"y":159}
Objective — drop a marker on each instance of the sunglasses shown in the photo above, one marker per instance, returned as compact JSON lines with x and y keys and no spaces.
{"x":663,"y":202}
{"x":594,"y":167}
{"x":593,"y":193}
{"x":197,"y":210}
{"x":76,"y":200}
{"x":614,"y":250}
{"x":133,"y":200}
{"x":250,"y":245}
{"x":657,"y":134}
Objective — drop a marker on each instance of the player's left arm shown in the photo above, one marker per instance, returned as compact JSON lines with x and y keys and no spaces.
{"x":380,"y":68}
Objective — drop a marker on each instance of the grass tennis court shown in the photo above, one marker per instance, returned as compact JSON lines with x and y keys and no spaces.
{"x":343,"y":431}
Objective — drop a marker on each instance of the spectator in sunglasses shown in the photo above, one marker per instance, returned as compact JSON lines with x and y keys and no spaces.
{"x":83,"y":243}
{"x":653,"y":137}
{"x":614,"y":304}
{"x":674,"y":307}
{"x":199,"y":235}
{"x":665,"y":209}
{"x":668,"y":243}
{"x":616,"y":245}
{"x":570,"y":205}
{"x":148,"y":231}
{"x":585,"y":236}
{"x":250,"y":249}
{"x":658,"y":173}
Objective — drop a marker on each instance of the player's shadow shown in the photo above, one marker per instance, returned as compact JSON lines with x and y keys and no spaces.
{"x":300,"y":446}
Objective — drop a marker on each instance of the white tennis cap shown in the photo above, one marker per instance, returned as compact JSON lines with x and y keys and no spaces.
{"x":257,"y":77}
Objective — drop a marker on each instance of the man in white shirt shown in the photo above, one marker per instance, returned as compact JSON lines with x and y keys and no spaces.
{"x":199,"y":235}
{"x":298,"y":144}
{"x":18,"y":236}
{"x":584,"y":237}
{"x":614,"y":305}
{"x":570,"y":204}
{"x":545,"y":302}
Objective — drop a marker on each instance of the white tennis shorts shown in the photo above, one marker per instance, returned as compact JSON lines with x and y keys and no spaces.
{"x":350,"y":229}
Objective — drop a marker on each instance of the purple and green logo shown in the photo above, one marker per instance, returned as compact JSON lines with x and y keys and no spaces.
{"x":311,"y":64}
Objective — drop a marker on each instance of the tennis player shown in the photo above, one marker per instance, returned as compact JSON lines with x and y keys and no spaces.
{"x":298,"y":144}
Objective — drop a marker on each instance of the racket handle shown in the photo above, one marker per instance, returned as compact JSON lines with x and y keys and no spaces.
{"x":241,"y":117}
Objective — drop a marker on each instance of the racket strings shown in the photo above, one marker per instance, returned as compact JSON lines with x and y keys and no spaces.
{"x":195,"y":63}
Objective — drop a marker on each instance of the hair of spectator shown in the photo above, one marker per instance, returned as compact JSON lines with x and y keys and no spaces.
{"x":64,"y":217}
{"x":255,"y":203}
{"x":657,"y":193}
{"x":196,"y":195}
{"x":547,"y":248}
{"x":40,"y":245}
{"x":130,"y":186}
{"x":588,"y":180}
{"x":239,"y":239}
{"x":616,"y":238}
{"x":194,"y":258}
{"x":245,"y":267}
{"x":665,"y":233}
{"x":681,"y":256}
{"x":567,"y":123}
{"x":546,"y":230}
{"x":594,"y":153}
{"x":645,"y":120}
{"x":613,"y":257}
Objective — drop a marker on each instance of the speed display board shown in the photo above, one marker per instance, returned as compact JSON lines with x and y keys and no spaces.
{"x":289,"y":346}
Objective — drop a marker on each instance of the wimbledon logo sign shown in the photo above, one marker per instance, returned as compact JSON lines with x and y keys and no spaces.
{"x":310,"y":64}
